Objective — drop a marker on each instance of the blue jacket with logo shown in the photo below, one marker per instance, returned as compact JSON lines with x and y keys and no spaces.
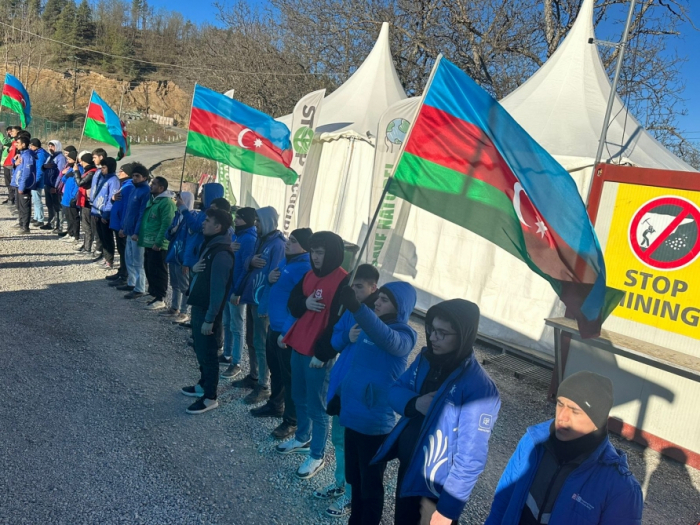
{"x":601,"y":491}
{"x":70,"y":187}
{"x":274,"y":299}
{"x":270,"y":248}
{"x":116,"y":217}
{"x":248,"y":238}
{"x":379,"y":358}
{"x":452,"y":447}
{"x":135,"y":206}
{"x":25,"y":173}
{"x":104,"y":190}
{"x":194,"y":220}
{"x":41,"y":156}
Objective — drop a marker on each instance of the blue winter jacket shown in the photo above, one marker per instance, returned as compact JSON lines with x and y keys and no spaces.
{"x":25,"y":173}
{"x":41,"y":156}
{"x":270,"y":248}
{"x":194,"y":221}
{"x":379,"y":358}
{"x":452,"y":447}
{"x":273,"y":302}
{"x":601,"y":491}
{"x":177,"y":235}
{"x":116,"y":217}
{"x":135,"y":206}
{"x":51,"y":171}
{"x":70,"y":188}
{"x":105,"y":189}
{"x":248,"y":238}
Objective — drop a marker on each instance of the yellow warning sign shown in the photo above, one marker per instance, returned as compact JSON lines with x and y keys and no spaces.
{"x":652,"y":255}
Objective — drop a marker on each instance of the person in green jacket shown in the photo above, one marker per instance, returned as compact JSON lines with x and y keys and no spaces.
{"x":157,"y":217}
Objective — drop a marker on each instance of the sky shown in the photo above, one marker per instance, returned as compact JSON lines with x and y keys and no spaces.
{"x":205,"y":11}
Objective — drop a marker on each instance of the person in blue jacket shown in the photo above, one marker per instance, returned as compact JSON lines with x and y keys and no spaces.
{"x":179,"y":275}
{"x":211,"y":192}
{"x":53,"y":169}
{"x":24,"y":179}
{"x":273,"y":304}
{"x":131,"y":224}
{"x":448,"y":405}
{"x":380,"y":357}
{"x":71,"y":178}
{"x":244,"y":240}
{"x":103,"y":191}
{"x":116,"y":220}
{"x":41,"y":156}
{"x":269,"y":251}
{"x":565,"y":470}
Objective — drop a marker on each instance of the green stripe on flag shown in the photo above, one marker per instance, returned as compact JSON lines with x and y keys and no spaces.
{"x":99,"y":132}
{"x":236,"y":157}
{"x":16,"y":106}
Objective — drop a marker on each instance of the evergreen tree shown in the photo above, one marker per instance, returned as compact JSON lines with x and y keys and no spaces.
{"x":85,"y":29}
{"x":136,"y":7}
{"x":34,"y":8}
{"x":52,"y":12}
{"x":66,"y":30}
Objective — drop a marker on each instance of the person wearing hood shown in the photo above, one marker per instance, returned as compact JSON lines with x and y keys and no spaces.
{"x":25,"y":180}
{"x":8,"y":154}
{"x":244,"y":240}
{"x":84,"y":203}
{"x":52,"y":169}
{"x":116,"y":222}
{"x":566,"y":470}
{"x":131,"y":224}
{"x":211,"y":192}
{"x":315,"y":303}
{"x":449,"y":406}
{"x":269,"y":251}
{"x":107,"y":185}
{"x":211,"y":280}
{"x":273,"y":304}
{"x":157,"y":218}
{"x":69,"y":179}
{"x":42,"y":156}
{"x":179,"y":275}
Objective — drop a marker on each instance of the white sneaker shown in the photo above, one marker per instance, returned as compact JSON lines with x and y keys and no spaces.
{"x":310,"y":467}
{"x":292,"y":446}
{"x":340,"y":507}
{"x":329,"y":492}
{"x":155,"y":305}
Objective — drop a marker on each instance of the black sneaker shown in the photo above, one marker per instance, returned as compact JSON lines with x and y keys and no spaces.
{"x":134,"y":295}
{"x":202,"y":405}
{"x":223,"y":360}
{"x":34,"y":222}
{"x":185,"y":324}
{"x":192,"y":391}
{"x":24,"y":232}
{"x":114,"y":277}
{"x":258,"y":395}
{"x":118,"y":282}
{"x":267,"y":410}
{"x":125,"y":288}
{"x":46,"y":227}
{"x":246,"y":382}
{"x":62,"y":234}
{"x":284,"y":430}
{"x":232,"y":372}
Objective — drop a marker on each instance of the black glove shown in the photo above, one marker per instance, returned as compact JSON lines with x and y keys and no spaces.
{"x":348,"y":299}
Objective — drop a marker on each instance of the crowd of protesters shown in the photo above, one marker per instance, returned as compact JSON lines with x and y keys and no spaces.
{"x":325,"y":355}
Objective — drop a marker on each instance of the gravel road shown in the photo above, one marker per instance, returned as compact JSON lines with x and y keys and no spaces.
{"x":93,"y":428}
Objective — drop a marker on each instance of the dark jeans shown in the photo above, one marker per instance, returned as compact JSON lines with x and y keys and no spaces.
{"x":94,"y":219}
{"x":86,"y":223}
{"x":279,"y":361}
{"x":367,"y":480}
{"x":106,"y":236}
{"x":206,"y":349}
{"x":53,"y":204}
{"x":24,"y":208}
{"x":414,"y":510}
{"x":121,"y":249}
{"x":157,"y":273}
{"x":73,"y":218}
{"x":7,"y":172}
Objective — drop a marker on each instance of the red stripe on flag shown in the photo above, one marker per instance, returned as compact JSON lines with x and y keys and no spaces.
{"x":96,"y":112}
{"x":14,"y":94}
{"x":230,"y":132}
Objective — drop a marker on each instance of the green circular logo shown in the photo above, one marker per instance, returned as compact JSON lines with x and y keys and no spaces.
{"x":302,"y":140}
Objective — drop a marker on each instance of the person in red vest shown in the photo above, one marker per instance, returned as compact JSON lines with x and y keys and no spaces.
{"x":315,"y":303}
{"x":9,"y":152}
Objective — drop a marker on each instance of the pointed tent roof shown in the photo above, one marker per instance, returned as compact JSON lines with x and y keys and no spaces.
{"x":355,"y":107}
{"x":563,"y":106}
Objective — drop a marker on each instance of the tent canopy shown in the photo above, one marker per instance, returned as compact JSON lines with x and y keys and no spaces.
{"x":562,"y":106}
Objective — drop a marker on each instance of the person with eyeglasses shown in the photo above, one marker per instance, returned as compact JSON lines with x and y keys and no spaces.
{"x":449,"y":406}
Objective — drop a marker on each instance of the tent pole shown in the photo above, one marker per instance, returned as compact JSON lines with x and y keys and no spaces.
{"x":622,"y":46}
{"x":369,"y":231}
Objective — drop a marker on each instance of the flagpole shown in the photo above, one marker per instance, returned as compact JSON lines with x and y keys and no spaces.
{"x":189,"y":124}
{"x":82,"y":133}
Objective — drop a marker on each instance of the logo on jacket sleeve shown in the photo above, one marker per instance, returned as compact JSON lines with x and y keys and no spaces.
{"x":485,"y":422}
{"x":434,"y":457}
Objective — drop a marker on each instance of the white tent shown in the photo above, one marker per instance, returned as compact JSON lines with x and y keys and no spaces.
{"x":563,"y":107}
{"x":336,"y":187}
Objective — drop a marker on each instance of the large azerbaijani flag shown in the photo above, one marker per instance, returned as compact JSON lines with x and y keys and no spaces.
{"x":228,"y":131}
{"x":468,"y":161}
{"x":16,"y":98}
{"x":103,"y":125}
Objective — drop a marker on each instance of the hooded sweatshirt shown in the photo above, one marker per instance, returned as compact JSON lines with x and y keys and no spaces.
{"x":177,"y":232}
{"x":106,"y":187}
{"x":157,"y":217}
{"x":70,"y":187}
{"x":135,"y":205}
{"x":312,"y":332}
{"x":58,"y":156}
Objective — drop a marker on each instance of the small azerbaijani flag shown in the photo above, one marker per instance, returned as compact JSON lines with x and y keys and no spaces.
{"x":468,"y":161}
{"x":228,"y":131}
{"x":103,"y":125}
{"x":16,"y":98}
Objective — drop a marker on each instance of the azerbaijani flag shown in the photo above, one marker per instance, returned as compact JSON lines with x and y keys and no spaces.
{"x":228,"y":131}
{"x":468,"y":161}
{"x":16,"y":98}
{"x":103,"y":125}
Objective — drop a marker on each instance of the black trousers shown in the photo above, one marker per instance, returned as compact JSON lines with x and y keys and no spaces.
{"x":249,"y":328}
{"x":121,"y":250}
{"x":53,"y":204}
{"x":94,"y":219}
{"x":367,"y":480}
{"x":279,"y":363}
{"x":7,"y":172}
{"x":156,"y":273}
{"x":107,"y":238}
{"x":73,"y":218}
{"x":24,"y":208}
{"x":86,"y":224}
{"x":206,"y":349}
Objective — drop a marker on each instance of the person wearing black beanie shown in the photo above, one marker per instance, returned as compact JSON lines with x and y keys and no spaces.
{"x":248,"y":215}
{"x":302,"y":236}
{"x":567,"y":466}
